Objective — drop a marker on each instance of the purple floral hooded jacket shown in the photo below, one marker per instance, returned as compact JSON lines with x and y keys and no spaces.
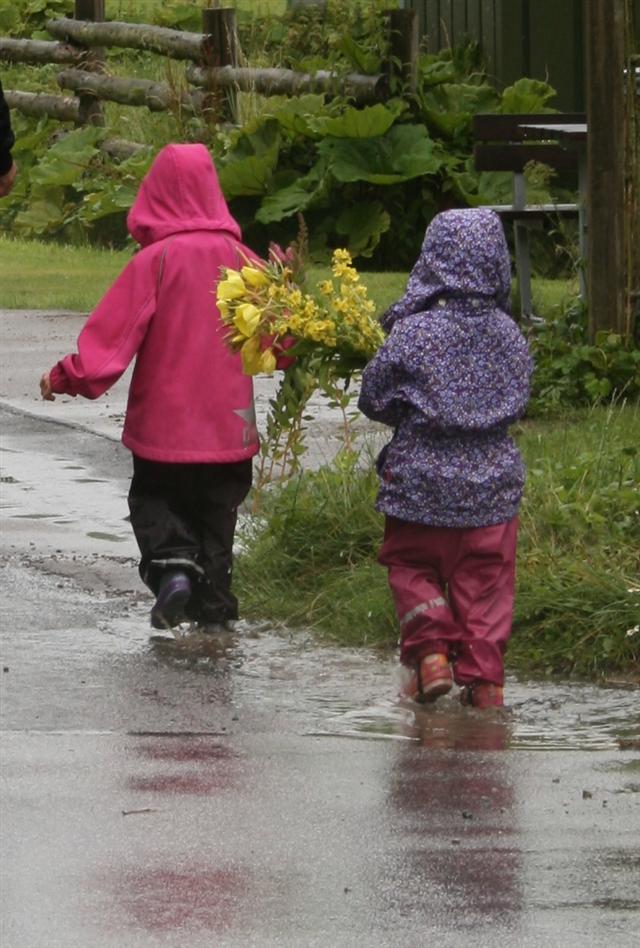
{"x":450,"y":378}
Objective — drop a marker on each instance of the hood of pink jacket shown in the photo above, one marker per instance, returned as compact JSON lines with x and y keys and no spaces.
{"x":180,"y":192}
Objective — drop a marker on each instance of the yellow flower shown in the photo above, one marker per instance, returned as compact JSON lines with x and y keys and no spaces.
{"x":254,"y":276}
{"x":251,"y":356}
{"x":232,"y":288}
{"x":247,"y":318}
{"x":341,"y":265}
{"x":294,"y":298}
{"x":267,"y":362}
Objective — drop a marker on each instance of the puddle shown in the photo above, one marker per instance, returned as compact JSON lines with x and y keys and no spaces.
{"x":80,"y":508}
{"x":353,"y":694}
{"x":34,"y":516}
{"x":110,"y":537}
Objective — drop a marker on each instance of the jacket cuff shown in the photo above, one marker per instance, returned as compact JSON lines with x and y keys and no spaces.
{"x":59,"y":380}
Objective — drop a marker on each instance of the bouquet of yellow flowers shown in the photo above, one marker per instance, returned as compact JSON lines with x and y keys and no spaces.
{"x":272,"y":321}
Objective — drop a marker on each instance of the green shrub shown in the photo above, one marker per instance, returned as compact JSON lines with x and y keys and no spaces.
{"x":311,"y":559}
{"x":366,"y":178}
{"x":27,"y":18}
{"x":571,"y":371}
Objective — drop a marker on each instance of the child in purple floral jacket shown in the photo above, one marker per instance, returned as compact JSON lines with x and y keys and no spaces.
{"x":451,"y":377}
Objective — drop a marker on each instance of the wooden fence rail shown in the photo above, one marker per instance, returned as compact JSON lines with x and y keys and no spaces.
{"x":214,"y":71}
{"x":362,"y":89}
{"x":177,"y":44}
{"x":37,"y":104}
{"x":156,"y":96}
{"x":38,"y":51}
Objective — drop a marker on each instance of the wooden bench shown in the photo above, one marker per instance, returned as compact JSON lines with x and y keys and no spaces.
{"x":501,"y":145}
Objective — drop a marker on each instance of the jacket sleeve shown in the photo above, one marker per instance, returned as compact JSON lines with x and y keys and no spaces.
{"x":380,"y":397}
{"x":112,"y":335}
{"x":6,"y":136}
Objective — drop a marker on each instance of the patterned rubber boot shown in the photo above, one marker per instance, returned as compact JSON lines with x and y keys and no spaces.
{"x":431,"y":679}
{"x":483,"y":694}
{"x":173,"y":595}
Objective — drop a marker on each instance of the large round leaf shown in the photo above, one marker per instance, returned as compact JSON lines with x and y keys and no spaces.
{"x":369,"y":122}
{"x":363,"y":225}
{"x":248,"y":176}
{"x":405,"y":152}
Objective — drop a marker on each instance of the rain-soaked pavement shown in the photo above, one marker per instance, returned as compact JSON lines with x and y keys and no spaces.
{"x":272,"y":792}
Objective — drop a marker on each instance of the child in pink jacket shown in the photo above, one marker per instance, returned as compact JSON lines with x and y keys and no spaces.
{"x":190,"y":421}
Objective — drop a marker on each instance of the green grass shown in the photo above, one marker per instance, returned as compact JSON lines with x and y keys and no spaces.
{"x":578,"y":598}
{"x":53,"y":276}
{"x":37,"y":275}
{"x":144,"y":10}
{"x":580,"y":528}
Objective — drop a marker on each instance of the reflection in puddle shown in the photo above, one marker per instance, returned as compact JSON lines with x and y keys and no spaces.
{"x":34,"y":516}
{"x":110,"y":537}
{"x":354,"y":694}
{"x":544,"y":716}
{"x":191,"y":644}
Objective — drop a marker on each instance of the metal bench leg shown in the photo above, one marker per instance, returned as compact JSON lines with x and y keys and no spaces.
{"x":523,"y":269}
{"x":583,"y":222}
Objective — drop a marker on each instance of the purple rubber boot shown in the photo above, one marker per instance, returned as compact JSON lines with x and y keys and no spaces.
{"x":173,"y":595}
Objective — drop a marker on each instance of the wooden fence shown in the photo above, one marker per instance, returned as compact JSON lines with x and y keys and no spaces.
{"x":543,"y":39}
{"x":214,"y":75}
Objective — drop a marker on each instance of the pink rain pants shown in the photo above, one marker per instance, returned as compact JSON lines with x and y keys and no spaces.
{"x":453,"y":590}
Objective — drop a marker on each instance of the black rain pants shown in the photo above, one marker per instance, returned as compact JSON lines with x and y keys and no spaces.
{"x":184,"y":517}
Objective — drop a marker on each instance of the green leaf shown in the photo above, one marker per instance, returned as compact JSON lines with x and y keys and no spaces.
{"x":370,"y":122}
{"x":363,"y":224}
{"x":362,"y":59}
{"x":248,"y":176}
{"x":256,"y":138}
{"x":433,"y":71}
{"x":295,"y":116}
{"x":405,"y":152}
{"x":66,"y":160}
{"x":100,"y":204}
{"x":449,"y":108}
{"x":291,"y":199}
{"x":527,"y":96}
{"x":44,"y":215}
{"x":598,"y":359}
{"x":9,"y":19}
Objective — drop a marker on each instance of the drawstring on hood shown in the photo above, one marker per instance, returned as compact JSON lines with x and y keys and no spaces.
{"x":180,"y":192}
{"x":464,"y":260}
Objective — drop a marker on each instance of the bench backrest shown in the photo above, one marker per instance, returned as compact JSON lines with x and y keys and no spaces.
{"x":500,"y":143}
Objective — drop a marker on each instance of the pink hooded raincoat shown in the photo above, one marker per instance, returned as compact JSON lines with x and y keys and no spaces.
{"x":189,"y":400}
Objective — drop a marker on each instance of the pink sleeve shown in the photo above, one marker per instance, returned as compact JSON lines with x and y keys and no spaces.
{"x":112,"y":335}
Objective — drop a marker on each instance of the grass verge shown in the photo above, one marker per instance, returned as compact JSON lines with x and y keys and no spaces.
{"x":39,"y":275}
{"x":580,"y":534}
{"x":311,"y":559}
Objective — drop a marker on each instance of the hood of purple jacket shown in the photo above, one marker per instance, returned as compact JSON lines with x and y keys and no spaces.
{"x":464,"y":260}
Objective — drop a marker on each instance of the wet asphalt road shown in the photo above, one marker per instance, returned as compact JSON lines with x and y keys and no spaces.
{"x":270,"y":792}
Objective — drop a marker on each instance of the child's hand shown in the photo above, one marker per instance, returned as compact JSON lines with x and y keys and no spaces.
{"x":45,"y":388}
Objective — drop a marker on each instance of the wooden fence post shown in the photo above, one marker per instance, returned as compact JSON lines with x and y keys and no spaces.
{"x":613,"y":154}
{"x":632,"y":167}
{"x":404,"y":44}
{"x":91,"y":111}
{"x":220,"y":48}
